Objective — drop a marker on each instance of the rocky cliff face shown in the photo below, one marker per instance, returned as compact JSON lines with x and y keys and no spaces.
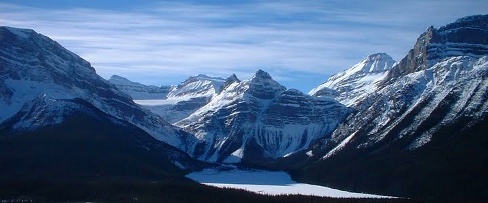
{"x":257,"y":120}
{"x":466,"y":36}
{"x":425,"y":119}
{"x":449,"y":72}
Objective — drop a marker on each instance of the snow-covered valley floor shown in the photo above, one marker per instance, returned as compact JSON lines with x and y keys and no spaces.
{"x":268,"y":182}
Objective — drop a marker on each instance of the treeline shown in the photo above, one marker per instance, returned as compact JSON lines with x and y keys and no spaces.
{"x":148,"y":192}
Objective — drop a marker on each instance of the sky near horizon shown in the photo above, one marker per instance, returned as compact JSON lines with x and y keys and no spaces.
{"x":300,"y":43}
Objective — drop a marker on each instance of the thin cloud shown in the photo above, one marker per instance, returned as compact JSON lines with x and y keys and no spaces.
{"x":166,"y":42}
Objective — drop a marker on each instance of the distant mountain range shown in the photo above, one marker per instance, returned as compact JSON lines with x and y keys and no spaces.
{"x":414,"y":128}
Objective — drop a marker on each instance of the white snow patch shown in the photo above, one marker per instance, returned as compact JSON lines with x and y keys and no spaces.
{"x":268,"y":182}
{"x":340,"y":146}
{"x":235,"y":157}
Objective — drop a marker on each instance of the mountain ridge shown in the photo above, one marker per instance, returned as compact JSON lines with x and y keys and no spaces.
{"x":251,"y":119}
{"x":353,"y":84}
{"x":173,"y":102}
{"x":434,"y":98}
{"x":33,"y":65}
{"x":407,"y":131}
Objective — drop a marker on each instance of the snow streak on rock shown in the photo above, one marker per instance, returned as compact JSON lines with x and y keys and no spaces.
{"x":259,"y":119}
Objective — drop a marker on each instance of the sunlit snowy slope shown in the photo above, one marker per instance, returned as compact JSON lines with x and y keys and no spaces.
{"x":36,"y":70}
{"x":426,"y":119}
{"x":352,"y":85}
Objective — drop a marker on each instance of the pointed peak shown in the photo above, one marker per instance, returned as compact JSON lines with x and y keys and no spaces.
{"x":262,"y":86}
{"x":260,"y":74}
{"x":233,"y":78}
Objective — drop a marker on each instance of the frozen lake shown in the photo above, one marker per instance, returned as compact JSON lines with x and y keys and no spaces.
{"x":268,"y":182}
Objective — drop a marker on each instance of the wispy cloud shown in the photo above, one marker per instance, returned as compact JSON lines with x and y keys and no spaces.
{"x":166,"y":42}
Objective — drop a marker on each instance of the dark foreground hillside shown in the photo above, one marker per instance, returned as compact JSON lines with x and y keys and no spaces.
{"x":450,"y":168}
{"x":113,"y":191}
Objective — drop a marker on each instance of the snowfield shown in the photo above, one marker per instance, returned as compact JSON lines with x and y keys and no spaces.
{"x":268,"y":182}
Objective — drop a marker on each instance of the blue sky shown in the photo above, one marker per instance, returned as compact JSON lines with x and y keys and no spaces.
{"x":300,"y":43}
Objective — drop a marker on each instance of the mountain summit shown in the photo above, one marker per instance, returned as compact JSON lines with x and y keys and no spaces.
{"x":60,"y":121}
{"x":259,"y":119}
{"x":466,"y":37}
{"x":423,"y":123}
{"x":173,"y":103}
{"x":353,"y":84}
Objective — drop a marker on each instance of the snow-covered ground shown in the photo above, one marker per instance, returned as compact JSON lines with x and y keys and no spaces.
{"x":268,"y":182}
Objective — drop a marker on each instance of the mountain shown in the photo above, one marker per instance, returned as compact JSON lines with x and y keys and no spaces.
{"x":45,"y":88}
{"x":139,"y":91}
{"x":197,"y":86}
{"x":352,"y":85}
{"x":256,"y":120}
{"x":67,"y":135}
{"x":70,"y":139}
{"x":421,"y":133}
{"x":172,"y":103}
{"x":34,"y":65}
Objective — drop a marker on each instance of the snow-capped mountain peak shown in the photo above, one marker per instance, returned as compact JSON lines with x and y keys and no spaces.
{"x":259,"y":119}
{"x":33,"y":65}
{"x":263,"y":86}
{"x":351,"y":85}
{"x":174,"y":103}
{"x":375,"y":63}
{"x":467,"y":36}
{"x":198,"y":86}
{"x":428,"y":118}
{"x":230,"y":80}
